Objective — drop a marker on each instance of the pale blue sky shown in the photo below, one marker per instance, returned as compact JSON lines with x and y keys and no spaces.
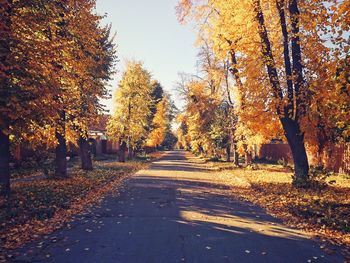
{"x":148,"y":30}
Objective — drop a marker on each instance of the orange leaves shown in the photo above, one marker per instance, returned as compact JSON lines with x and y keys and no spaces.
{"x":61,"y":59}
{"x":183,"y":9}
{"x":289,"y":62}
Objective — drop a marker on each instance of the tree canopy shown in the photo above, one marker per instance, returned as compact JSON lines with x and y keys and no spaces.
{"x":56,"y":58}
{"x":284,"y":58}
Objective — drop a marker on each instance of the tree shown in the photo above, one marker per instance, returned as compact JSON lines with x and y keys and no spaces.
{"x":182,"y":132}
{"x":275,"y":64}
{"x":51,"y":62}
{"x":83,"y":63}
{"x":199,"y":108}
{"x":157,"y":95}
{"x":170,"y":140}
{"x":161,"y":134}
{"x":26,"y":59}
{"x":159,"y":124}
{"x":133,"y":99}
{"x":97,"y":65}
{"x":221,"y":129}
{"x":208,"y":120}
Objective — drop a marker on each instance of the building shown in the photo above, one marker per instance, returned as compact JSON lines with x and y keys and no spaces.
{"x":98,"y":137}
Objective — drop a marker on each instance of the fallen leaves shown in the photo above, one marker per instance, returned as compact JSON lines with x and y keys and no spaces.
{"x":40,"y":207}
{"x":324,"y":211}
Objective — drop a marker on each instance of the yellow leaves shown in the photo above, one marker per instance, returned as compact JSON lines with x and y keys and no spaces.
{"x":196,"y":129}
{"x":160,"y":123}
{"x":55,"y":68}
{"x":133,"y":100}
{"x":321,"y":211}
{"x":226,"y":26}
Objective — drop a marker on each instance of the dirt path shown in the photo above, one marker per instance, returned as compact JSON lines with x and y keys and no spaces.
{"x":176,"y":211}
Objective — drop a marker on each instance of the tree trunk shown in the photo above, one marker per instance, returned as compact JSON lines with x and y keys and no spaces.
{"x":61,"y":148}
{"x":296,"y":142}
{"x":247,"y":156}
{"x":321,"y":146}
{"x":266,"y":50}
{"x":85,"y":154}
{"x":6,"y":8}
{"x":121,"y":155}
{"x":130,"y":153}
{"x":291,"y":125}
{"x":4,"y":164}
{"x":289,"y":108}
{"x":200,"y":150}
{"x":228,"y":152}
{"x":320,"y":158}
{"x":294,"y":134}
{"x":235,"y":155}
{"x":300,"y":92}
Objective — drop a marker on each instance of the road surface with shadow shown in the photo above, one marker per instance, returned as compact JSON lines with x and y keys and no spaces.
{"x":176,"y":211}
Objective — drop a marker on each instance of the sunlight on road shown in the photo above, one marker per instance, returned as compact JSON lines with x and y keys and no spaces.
{"x":231,"y":223}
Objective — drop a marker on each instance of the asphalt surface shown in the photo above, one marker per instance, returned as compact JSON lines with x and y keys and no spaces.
{"x":176,"y":211}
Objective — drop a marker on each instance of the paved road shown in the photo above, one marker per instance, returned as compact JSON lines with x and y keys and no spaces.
{"x":176,"y":211}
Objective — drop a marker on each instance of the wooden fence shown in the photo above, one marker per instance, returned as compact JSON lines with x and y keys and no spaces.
{"x":335,"y":158}
{"x":98,"y":147}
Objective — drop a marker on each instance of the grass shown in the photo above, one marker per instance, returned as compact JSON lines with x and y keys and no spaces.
{"x":323,"y":209}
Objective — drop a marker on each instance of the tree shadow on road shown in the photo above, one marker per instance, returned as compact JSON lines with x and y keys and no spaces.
{"x":176,"y":212}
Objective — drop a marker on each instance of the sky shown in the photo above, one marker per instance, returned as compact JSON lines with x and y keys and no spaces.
{"x":148,"y":30}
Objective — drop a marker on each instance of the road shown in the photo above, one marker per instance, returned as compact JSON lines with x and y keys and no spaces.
{"x":176,"y":211}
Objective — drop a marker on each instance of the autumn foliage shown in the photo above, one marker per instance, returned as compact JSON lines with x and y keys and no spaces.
{"x":268,"y":70}
{"x":143,"y":112}
{"x":55,"y":61}
{"x":286,"y":64}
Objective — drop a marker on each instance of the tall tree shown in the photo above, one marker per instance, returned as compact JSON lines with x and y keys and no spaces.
{"x":279,"y":63}
{"x":133,"y":99}
{"x":95,"y":55}
{"x":25,"y":90}
{"x":44,"y":60}
{"x":161,"y":123}
{"x":99,"y":73}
